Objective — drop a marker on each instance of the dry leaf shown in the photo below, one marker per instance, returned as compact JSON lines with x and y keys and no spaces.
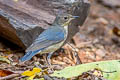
{"x":4,"y":73}
{"x":116,"y":31}
{"x":4,"y":59}
{"x":31,"y":74}
{"x":15,"y":0}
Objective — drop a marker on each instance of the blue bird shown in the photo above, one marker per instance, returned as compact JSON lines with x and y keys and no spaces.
{"x":51,"y":39}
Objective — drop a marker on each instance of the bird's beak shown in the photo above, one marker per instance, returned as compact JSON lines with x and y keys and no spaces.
{"x":75,"y":17}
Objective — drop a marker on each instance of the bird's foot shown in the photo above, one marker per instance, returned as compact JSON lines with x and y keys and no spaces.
{"x":49,"y":60}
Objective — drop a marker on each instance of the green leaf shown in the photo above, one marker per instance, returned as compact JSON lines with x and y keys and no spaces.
{"x":4,"y":59}
{"x":111,"y":68}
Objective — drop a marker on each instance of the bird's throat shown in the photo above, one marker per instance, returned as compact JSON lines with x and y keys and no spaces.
{"x":66,"y":30}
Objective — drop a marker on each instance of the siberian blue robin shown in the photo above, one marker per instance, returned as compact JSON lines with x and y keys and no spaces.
{"x":51,"y":39}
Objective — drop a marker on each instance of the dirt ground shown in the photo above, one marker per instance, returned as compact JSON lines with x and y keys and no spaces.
{"x":94,"y":42}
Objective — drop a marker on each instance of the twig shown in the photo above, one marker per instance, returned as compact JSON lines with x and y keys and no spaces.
{"x":9,"y":76}
{"x":83,"y":44}
{"x":3,"y":50}
{"x":76,"y":55}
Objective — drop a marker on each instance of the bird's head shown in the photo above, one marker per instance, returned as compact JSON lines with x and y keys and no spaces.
{"x":64,"y":19}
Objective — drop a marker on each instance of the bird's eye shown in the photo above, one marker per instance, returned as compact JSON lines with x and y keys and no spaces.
{"x":65,"y":18}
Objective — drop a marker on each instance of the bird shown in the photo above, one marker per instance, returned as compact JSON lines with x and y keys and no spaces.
{"x":50,"y":39}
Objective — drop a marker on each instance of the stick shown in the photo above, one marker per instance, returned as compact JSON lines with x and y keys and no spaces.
{"x":9,"y":76}
{"x":76,"y":55}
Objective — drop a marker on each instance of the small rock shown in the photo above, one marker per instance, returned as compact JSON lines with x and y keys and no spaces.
{"x":101,"y":52}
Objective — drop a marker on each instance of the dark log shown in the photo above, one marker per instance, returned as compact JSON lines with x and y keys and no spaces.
{"x":22,"y":21}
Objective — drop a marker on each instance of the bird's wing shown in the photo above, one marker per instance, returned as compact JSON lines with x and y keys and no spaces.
{"x":49,"y":37}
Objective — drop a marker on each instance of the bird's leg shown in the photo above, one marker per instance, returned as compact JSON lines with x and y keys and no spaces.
{"x":49,"y":57}
{"x":45,"y":58}
{"x":49,"y":61}
{"x":76,"y":54}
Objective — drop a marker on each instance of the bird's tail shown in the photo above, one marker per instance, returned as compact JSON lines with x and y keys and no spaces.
{"x":29,"y":55}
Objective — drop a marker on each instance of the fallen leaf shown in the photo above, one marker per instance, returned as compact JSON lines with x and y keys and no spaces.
{"x":4,"y":59}
{"x":31,"y":74}
{"x":116,"y":31}
{"x":15,"y":0}
{"x":4,"y":73}
{"x":111,"y":69}
{"x":40,"y":79}
{"x":31,"y":77}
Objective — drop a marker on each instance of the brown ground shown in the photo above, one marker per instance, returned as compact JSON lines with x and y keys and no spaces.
{"x":94,"y":42}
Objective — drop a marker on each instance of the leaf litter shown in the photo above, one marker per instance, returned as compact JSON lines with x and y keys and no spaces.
{"x":94,"y":43}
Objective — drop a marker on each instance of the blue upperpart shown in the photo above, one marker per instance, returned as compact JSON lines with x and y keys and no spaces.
{"x":48,"y":38}
{"x":52,"y":34}
{"x":29,"y":55}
